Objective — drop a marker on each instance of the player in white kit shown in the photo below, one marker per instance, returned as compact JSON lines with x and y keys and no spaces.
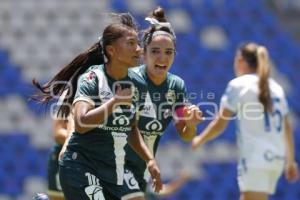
{"x":264,"y":135}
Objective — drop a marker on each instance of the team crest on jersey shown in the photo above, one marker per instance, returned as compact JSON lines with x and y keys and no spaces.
{"x":170,"y":96}
{"x":154,"y":125}
{"x":121,"y":120}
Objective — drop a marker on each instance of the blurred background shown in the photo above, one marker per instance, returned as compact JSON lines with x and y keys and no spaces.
{"x":37,"y":37}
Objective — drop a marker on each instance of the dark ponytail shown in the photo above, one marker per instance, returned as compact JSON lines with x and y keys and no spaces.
{"x":257,"y":58}
{"x":67,"y":78}
{"x":263,"y":71}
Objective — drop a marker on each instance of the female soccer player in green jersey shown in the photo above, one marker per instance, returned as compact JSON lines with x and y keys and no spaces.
{"x":165,"y":100}
{"x":106,"y":99}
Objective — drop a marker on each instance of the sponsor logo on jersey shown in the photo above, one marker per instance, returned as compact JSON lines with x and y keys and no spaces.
{"x":121,"y":120}
{"x":146,"y":111}
{"x":154,"y":126}
{"x":149,"y":109}
{"x":115,"y":128}
{"x":150,"y":133}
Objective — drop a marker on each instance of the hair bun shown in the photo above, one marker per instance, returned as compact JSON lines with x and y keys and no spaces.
{"x":159,"y":14}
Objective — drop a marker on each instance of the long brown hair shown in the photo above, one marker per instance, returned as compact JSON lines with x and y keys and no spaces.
{"x":257,"y":57}
{"x":67,"y":77}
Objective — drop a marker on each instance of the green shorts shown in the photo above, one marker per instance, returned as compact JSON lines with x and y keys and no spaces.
{"x":82,"y":183}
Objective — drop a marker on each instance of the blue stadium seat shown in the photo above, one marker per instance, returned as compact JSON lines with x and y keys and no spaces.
{"x":119,"y":5}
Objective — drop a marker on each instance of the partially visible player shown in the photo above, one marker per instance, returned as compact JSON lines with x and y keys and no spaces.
{"x":63,"y":127}
{"x":165,"y":100}
{"x":54,"y":187}
{"x":265,"y":137}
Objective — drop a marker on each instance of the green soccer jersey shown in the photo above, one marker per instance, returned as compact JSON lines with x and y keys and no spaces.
{"x":102,"y":148}
{"x":160,"y":104}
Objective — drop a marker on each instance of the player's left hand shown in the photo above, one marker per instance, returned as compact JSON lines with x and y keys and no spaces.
{"x":155,"y":174}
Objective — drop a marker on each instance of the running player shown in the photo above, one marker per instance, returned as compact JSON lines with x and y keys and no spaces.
{"x":107,"y":100}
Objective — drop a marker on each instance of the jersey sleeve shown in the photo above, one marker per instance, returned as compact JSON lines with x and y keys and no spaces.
{"x":230,"y":98}
{"x":87,"y":88}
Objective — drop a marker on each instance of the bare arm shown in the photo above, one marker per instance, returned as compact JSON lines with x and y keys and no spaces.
{"x":64,"y":147}
{"x":137,"y":143}
{"x":214,"y":129}
{"x":289,"y":141}
{"x":291,"y":168}
{"x":87,"y":117}
{"x":70,"y":130}
{"x":60,"y":128}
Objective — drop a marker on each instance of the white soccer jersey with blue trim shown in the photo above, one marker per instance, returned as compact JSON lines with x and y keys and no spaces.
{"x":260,"y":136}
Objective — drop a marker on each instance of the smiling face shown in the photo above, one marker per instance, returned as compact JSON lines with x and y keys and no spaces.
{"x":159,"y":57}
{"x":126,"y":50}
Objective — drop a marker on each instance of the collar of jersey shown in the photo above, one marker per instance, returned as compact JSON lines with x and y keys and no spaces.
{"x":109,"y":77}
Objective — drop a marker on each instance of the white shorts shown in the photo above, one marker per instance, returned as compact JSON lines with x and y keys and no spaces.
{"x":258,"y":180}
